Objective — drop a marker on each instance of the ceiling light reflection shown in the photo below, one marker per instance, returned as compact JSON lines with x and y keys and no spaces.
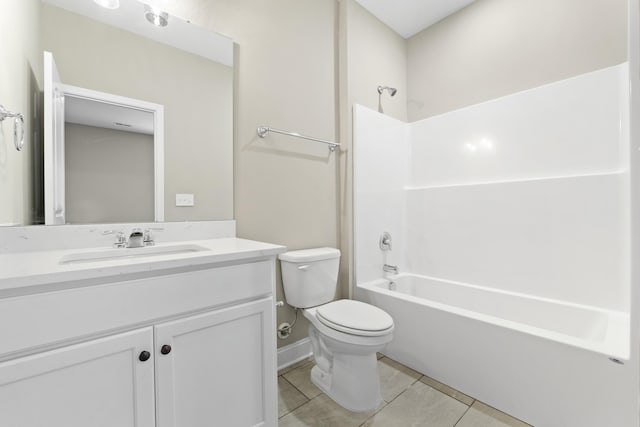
{"x":108,"y":4}
{"x":484,"y":144}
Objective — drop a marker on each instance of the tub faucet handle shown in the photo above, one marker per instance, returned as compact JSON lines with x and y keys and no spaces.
{"x":385,"y":241}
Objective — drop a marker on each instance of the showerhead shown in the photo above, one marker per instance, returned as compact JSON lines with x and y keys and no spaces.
{"x":392,"y":90}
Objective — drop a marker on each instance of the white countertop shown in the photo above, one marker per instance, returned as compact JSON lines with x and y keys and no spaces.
{"x":34,"y":269}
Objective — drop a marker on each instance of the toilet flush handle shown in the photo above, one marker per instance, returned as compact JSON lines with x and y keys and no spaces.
{"x":303,"y":267}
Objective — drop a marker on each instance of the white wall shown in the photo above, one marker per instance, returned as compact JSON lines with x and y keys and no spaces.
{"x":381,"y":171}
{"x":21,"y":61}
{"x":525,"y":193}
{"x":500,"y":197}
{"x":569,"y":127}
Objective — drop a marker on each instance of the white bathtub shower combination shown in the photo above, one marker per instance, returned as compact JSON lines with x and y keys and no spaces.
{"x":510,"y":228}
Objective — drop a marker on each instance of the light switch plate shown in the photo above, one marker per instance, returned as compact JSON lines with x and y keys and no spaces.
{"x":184,"y":199}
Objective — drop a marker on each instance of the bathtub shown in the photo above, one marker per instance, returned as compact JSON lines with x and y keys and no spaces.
{"x":547,"y":362}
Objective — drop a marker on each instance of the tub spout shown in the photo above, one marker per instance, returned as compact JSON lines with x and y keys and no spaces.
{"x":390,"y":268}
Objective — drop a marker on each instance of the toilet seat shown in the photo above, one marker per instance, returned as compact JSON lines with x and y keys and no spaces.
{"x":355,"y":318}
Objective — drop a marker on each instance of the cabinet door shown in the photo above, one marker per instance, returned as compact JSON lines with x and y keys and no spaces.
{"x":92,"y":384}
{"x":221,"y":369}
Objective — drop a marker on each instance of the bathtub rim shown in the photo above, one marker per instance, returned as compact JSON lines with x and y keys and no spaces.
{"x":615,"y":345}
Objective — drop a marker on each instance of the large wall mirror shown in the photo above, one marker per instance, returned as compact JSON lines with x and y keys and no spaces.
{"x":109,"y":168}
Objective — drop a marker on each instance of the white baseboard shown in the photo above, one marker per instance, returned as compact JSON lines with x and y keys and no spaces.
{"x":295,"y":352}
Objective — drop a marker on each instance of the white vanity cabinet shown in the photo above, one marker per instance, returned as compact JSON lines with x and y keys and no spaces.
{"x":218,"y":368}
{"x":96,"y":383}
{"x":187,"y":347}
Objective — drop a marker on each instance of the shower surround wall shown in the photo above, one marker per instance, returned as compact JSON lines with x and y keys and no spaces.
{"x":525,"y":195}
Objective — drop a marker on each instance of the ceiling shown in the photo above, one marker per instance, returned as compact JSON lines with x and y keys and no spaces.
{"x":100,"y":114}
{"x":409,"y":17}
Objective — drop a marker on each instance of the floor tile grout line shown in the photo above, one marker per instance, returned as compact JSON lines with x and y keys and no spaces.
{"x":406,"y":389}
{"x":285,"y":371}
{"x":388,"y":403}
{"x":368,"y":418}
{"x":473,"y":399}
{"x":502,"y":412}
{"x":304,"y":404}
{"x":462,"y":416}
{"x":299,"y":406}
{"x":300,"y":391}
{"x":385,"y":403}
{"x":449,"y":396}
{"x":303,"y":395}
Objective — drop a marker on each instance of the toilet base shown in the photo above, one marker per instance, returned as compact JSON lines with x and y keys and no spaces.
{"x":351,"y":380}
{"x":355,"y":403}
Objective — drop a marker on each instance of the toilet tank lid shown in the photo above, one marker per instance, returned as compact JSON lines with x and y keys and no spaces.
{"x":308,"y":255}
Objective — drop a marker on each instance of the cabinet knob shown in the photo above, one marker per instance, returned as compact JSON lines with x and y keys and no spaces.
{"x":165,"y":349}
{"x":144,"y":356}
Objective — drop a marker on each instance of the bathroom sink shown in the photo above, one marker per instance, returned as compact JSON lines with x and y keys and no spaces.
{"x":129,"y":253}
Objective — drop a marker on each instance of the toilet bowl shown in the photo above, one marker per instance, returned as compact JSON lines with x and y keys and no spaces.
{"x":345,"y":334}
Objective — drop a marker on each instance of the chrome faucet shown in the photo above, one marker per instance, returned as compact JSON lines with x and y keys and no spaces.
{"x":136,"y":239}
{"x":390,"y":268}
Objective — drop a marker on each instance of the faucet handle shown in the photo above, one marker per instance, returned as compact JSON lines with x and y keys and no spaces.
{"x":147,"y":240}
{"x":148,"y":235}
{"x":121,"y":240}
{"x":385,"y":241}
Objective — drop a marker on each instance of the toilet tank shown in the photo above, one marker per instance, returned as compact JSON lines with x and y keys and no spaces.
{"x":309,"y":276}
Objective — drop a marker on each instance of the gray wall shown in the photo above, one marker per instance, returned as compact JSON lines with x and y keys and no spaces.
{"x":109,"y":175}
{"x":197,"y":95}
{"x":494,"y":48}
{"x":286,"y":189}
{"x":21,"y":61}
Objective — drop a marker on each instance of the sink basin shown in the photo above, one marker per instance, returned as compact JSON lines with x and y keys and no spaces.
{"x":129,"y":253}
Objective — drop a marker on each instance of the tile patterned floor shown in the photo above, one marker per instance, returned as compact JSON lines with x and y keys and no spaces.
{"x":409,"y":399}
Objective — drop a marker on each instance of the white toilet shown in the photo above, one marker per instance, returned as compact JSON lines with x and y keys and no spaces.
{"x":345,"y":334}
